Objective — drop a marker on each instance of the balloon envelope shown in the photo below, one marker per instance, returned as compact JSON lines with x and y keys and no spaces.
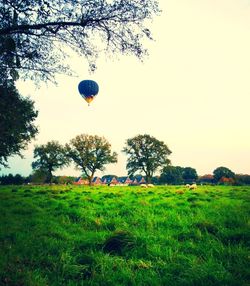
{"x":88,"y":89}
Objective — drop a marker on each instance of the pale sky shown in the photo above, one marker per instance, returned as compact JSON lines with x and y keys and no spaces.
{"x":192,"y":92}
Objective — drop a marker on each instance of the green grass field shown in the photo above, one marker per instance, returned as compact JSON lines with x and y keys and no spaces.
{"x":166,"y":235}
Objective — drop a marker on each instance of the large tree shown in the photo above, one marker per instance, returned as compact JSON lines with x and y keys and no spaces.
{"x":17,"y":122}
{"x":189,"y":175}
{"x":146,"y":154}
{"x":50,"y":157}
{"x":90,"y":153}
{"x":172,"y":175}
{"x":222,"y":172}
{"x":34,"y":33}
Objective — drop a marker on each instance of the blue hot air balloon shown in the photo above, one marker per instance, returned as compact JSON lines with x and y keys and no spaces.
{"x":88,"y":89}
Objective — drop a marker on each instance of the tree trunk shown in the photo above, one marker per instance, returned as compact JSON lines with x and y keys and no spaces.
{"x":49,"y":177}
{"x":90,"y":178}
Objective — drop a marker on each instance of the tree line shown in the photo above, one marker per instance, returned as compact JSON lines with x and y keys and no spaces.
{"x":146,"y":156}
{"x":40,"y":177}
{"x":91,"y":153}
{"x":176,"y":175}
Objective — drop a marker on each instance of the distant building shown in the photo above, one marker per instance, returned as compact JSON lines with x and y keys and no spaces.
{"x":97,"y":181}
{"x":113,"y":181}
{"x":104,"y":181}
{"x":81,"y":181}
{"x":125,"y":180}
{"x":139,"y":181}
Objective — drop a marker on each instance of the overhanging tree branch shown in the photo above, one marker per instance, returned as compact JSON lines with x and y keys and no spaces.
{"x":22,"y":29}
{"x":88,"y":27}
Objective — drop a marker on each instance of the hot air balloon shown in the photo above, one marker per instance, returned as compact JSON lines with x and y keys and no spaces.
{"x":88,"y":89}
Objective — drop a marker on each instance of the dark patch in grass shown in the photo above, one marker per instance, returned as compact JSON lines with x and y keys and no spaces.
{"x":119,"y":243}
{"x":233,"y":222}
{"x":90,"y":200}
{"x":167,"y":195}
{"x":55,"y":196}
{"x":196,"y":204}
{"x":27,"y":195}
{"x":188,"y":236}
{"x":207,"y":226}
{"x":213,"y":195}
{"x":89,"y":264}
{"x":236,"y":237}
{"x":26,"y":211}
{"x":27,"y":191}
{"x":14,"y":190}
{"x":74,"y":205}
{"x":84,"y":259}
{"x":154,"y":200}
{"x":196,"y":194}
{"x":61,"y":198}
{"x":110,"y":195}
{"x":181,"y":204}
{"x":9,"y":238}
{"x":77,"y":272}
{"x":42,"y":192}
{"x":61,"y":191}
{"x":192,"y":199}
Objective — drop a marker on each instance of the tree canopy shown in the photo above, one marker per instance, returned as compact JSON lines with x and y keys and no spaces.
{"x":189,"y":175}
{"x":49,"y":157}
{"x":12,"y":179}
{"x":17,"y":122}
{"x":34,"y":34}
{"x":146,"y":154}
{"x":172,"y":175}
{"x":178,"y":175}
{"x":222,"y":172}
{"x":90,"y":153}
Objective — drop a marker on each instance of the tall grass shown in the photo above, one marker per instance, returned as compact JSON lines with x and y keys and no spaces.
{"x":166,"y":235}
